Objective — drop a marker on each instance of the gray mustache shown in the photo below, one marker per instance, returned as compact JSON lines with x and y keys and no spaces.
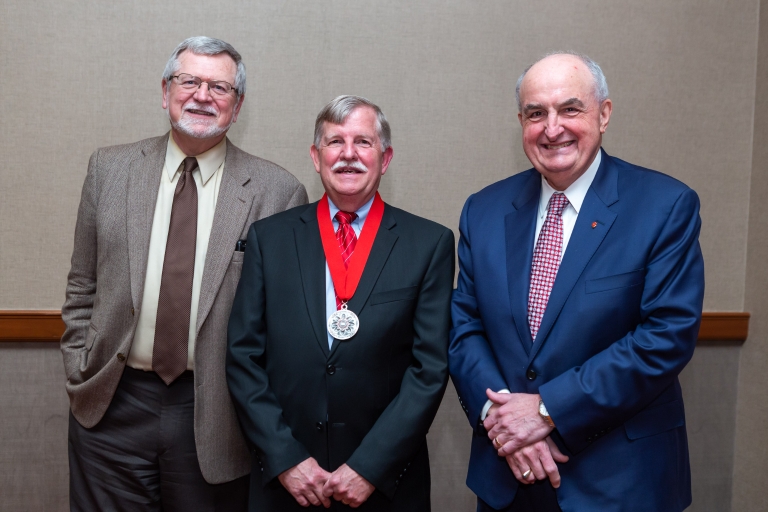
{"x":358,"y":166}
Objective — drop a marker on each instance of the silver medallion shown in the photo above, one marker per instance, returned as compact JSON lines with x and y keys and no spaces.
{"x":343,"y":324}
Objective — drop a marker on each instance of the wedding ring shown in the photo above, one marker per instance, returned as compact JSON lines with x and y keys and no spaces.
{"x":526,"y":474}
{"x":496,"y":443}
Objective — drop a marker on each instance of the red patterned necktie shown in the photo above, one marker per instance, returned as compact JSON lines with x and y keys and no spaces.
{"x":169,"y":354}
{"x":346,"y":238}
{"x":546,"y":261}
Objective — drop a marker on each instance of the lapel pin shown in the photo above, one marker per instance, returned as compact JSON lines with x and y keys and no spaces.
{"x":594,"y":225}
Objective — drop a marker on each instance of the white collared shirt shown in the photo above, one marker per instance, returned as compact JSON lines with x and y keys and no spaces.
{"x":575,"y":194}
{"x":208,"y":180}
{"x":357,"y":225}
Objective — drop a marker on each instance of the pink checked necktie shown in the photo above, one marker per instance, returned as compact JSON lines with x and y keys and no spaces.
{"x":346,"y":238}
{"x":174,"y":307}
{"x":546,"y":261}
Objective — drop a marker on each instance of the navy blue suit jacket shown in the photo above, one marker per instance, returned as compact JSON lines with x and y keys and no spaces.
{"x":621,"y":323}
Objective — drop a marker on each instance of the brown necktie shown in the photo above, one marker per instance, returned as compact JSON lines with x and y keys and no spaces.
{"x":169,"y":355}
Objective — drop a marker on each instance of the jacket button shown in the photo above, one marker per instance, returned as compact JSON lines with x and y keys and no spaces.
{"x":132,"y":312}
{"x":330,"y":369}
{"x":319,"y":425}
{"x":530,"y":374}
{"x":120,"y":357}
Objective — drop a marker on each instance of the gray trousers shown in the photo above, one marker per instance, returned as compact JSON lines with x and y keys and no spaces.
{"x":141,"y":456}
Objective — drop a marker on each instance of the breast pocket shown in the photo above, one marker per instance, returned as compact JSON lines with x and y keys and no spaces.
{"x":399,"y":294}
{"x":613,"y":282}
{"x":232,"y":276}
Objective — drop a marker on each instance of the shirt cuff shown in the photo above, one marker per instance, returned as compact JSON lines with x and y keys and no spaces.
{"x":488,"y":405}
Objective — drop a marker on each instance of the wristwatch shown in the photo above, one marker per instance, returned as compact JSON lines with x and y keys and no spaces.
{"x":544,"y":414}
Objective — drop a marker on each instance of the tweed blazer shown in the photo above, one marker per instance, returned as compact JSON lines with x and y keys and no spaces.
{"x":106,"y":281}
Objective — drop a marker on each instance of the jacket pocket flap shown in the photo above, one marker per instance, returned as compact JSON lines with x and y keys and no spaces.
{"x":656,"y":420}
{"x":393,"y":295}
{"x":91,"y":337}
{"x":616,"y":281}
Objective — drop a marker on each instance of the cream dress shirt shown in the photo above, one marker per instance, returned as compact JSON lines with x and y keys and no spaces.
{"x":208,"y":180}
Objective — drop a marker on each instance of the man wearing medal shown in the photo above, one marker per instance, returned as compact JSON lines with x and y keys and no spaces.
{"x":337,"y":356}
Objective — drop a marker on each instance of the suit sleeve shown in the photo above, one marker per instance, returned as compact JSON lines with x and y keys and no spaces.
{"x":81,"y":281}
{"x":615,"y":384}
{"x":400,"y":430}
{"x":473,"y":364}
{"x":259,"y":412}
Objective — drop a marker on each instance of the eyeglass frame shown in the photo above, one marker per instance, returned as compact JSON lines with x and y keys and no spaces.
{"x":207,"y":82}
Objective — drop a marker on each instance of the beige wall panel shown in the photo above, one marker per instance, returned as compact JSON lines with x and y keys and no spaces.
{"x":682,"y":76}
{"x":751,"y":450}
{"x":34,"y":475}
{"x":709,"y":390}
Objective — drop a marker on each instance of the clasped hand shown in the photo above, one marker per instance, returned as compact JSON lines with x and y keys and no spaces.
{"x":310,"y":484}
{"x":522,"y":437}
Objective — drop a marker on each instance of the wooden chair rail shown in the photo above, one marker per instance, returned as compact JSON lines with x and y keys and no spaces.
{"x":31,"y":325}
{"x":35,"y":326}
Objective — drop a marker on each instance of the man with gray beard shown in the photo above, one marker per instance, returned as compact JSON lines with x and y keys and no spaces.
{"x":158,"y":251}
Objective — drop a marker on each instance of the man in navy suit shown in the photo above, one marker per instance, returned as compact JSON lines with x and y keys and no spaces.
{"x":578,"y":304}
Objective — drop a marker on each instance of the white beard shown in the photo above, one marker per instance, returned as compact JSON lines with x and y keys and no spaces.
{"x":191,"y":127}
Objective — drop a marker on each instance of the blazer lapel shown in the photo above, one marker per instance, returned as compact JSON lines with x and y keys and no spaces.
{"x":232,"y":207}
{"x":520,"y":228}
{"x":382,"y":247}
{"x":309,"y":248}
{"x":143,"y":184}
{"x":583,"y":243}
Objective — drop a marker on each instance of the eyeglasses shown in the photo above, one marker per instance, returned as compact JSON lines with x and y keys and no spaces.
{"x":192,"y":83}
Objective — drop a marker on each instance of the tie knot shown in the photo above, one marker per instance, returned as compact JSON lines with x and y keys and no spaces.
{"x":557,"y":203}
{"x":190,"y":164}
{"x":345,"y":217}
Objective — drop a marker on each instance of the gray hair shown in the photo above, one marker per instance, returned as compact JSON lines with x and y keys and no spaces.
{"x":600,"y":84}
{"x":201,"y":45}
{"x":337,"y":111}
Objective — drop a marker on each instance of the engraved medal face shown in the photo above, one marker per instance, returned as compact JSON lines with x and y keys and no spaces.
{"x":343,"y":324}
